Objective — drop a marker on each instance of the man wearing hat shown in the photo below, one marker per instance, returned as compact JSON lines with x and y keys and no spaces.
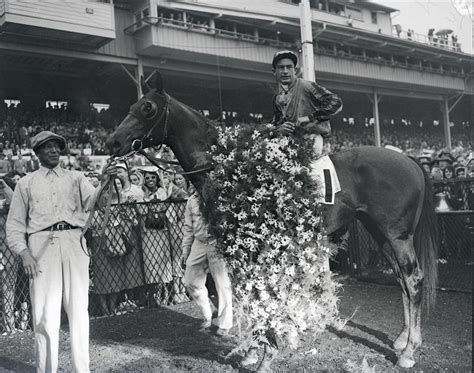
{"x":48,"y":210}
{"x":300,"y":102}
{"x":425,"y":162}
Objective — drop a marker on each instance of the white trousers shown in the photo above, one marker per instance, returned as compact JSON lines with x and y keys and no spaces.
{"x":64,"y":275}
{"x":203,"y":257}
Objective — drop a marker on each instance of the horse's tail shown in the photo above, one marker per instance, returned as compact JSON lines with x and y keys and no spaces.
{"x":426,"y":241}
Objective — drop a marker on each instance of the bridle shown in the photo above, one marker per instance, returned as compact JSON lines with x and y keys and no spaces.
{"x":137,"y":144}
{"x":136,"y":148}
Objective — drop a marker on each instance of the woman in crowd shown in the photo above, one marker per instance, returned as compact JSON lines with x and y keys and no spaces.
{"x":108,"y":270}
{"x":448,"y":172}
{"x":175,"y":215}
{"x":157,"y":260}
{"x":136,"y":178}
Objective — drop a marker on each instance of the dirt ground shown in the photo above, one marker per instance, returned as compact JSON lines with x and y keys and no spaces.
{"x":166,"y":339}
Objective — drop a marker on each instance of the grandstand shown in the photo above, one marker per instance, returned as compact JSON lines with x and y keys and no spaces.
{"x":214,"y":56}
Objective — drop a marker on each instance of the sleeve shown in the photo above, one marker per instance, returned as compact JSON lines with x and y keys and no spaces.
{"x":88,"y":192}
{"x":325,"y":102}
{"x":16,"y":220}
{"x":277,"y":114}
{"x":188,"y":231}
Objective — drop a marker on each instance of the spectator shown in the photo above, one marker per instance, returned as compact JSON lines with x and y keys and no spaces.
{"x":448,"y":172}
{"x":398,"y":29}
{"x":136,"y":178}
{"x":156,"y":244}
{"x":25,"y":151}
{"x":350,"y":21}
{"x":4,"y":164}
{"x":11,"y":161}
{"x":172,"y":191}
{"x":19,"y":164}
{"x":32,"y":164}
{"x":426,"y":163}
{"x":430,"y":34}
{"x":461,"y":172}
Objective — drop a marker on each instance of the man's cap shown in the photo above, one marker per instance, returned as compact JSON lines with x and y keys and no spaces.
{"x":45,"y":136}
{"x":446,"y":155}
{"x":284,"y":54}
{"x":460,"y":169}
{"x":424,"y":160}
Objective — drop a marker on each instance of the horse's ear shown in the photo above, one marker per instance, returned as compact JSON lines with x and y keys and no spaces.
{"x":145,"y":87}
{"x":156,"y":81}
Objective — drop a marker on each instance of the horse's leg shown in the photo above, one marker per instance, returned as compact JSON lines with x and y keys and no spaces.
{"x":269,"y":354}
{"x":411,"y":280}
{"x":402,"y":340}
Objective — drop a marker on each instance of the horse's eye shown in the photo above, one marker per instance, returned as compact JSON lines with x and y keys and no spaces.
{"x":148,"y":109}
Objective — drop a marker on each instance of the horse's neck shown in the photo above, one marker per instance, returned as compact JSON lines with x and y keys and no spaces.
{"x":187,"y":138}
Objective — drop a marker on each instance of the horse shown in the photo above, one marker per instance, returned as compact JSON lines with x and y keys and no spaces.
{"x":388,"y":192}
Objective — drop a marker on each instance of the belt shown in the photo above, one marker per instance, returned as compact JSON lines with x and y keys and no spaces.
{"x":61,"y":226}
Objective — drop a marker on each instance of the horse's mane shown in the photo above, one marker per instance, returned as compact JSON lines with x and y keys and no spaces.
{"x":211,"y":131}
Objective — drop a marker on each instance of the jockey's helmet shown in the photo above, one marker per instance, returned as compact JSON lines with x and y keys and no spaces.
{"x":284,"y":54}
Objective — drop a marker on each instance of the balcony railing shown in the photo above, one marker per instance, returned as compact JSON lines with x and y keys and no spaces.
{"x":203,"y":28}
{"x":433,"y":40}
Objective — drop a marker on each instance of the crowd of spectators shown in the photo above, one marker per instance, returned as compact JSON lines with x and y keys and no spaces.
{"x":84,"y":127}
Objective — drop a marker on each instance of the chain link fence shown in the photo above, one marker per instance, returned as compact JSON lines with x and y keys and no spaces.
{"x":360,"y":257}
{"x":134,"y":264}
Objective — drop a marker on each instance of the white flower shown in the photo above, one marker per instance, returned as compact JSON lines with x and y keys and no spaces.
{"x":290,"y":271}
{"x":242,"y":215}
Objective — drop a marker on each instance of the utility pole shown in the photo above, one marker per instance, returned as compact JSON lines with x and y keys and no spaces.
{"x":307,"y":61}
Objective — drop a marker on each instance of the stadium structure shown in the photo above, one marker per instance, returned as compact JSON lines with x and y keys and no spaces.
{"x":215,"y":55}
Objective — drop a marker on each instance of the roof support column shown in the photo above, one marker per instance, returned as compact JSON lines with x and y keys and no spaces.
{"x":138,"y":74}
{"x":447,"y":131}
{"x":375,"y":99}
{"x":307,"y":41}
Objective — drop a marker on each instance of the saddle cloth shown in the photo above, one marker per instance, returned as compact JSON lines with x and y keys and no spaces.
{"x":324,"y":173}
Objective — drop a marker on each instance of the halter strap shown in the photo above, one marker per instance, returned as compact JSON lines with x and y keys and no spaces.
{"x":148,"y":136}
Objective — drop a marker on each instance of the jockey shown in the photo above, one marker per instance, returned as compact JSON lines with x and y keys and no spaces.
{"x":300,"y":102}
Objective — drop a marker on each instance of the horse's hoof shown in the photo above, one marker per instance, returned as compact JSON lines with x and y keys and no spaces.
{"x":405,"y":362}
{"x":401,"y":342}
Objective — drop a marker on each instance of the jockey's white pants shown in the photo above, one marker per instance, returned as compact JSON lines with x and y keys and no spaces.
{"x":64,"y":278}
{"x":203,"y":258}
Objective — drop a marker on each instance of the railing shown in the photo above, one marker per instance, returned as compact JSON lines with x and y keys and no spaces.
{"x":202,"y":28}
{"x":432,"y":40}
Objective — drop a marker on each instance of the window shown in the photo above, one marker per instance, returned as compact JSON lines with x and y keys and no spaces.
{"x":56,"y":104}
{"x":100,"y":107}
{"x":11,"y":103}
{"x":373,"y":16}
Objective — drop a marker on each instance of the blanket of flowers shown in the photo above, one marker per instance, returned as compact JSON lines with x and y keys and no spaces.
{"x":260,"y":206}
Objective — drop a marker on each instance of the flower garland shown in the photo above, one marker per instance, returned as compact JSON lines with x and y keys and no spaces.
{"x":260,"y":204}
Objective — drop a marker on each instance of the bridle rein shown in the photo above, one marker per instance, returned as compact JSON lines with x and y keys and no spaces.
{"x":136,"y":148}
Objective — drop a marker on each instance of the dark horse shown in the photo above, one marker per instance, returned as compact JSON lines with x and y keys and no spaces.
{"x":389,"y":192}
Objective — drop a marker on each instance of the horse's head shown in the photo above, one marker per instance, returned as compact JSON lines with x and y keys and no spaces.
{"x":159,"y":119}
{"x":146,"y":122}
